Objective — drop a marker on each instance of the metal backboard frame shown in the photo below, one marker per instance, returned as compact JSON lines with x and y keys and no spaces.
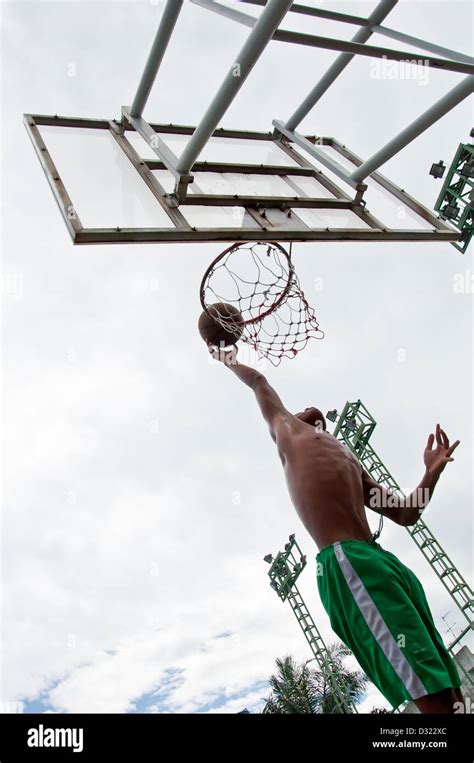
{"x":281,"y":217}
{"x":263,"y":212}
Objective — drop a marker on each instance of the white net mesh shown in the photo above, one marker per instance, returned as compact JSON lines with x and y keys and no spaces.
{"x":260,"y":281}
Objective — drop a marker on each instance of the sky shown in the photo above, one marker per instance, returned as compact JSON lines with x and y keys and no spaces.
{"x":140,"y":488}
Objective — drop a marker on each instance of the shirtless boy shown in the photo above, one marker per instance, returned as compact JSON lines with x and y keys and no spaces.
{"x":376,"y":605}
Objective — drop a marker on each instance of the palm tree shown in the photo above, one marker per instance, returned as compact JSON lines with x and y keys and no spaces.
{"x":303,"y":689}
{"x":292,"y":689}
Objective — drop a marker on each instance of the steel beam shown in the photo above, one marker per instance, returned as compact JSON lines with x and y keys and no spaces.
{"x":255,"y":44}
{"x":53,"y":177}
{"x":57,"y":120}
{"x":331,"y":43}
{"x":157,"y":145}
{"x":398,"y":193}
{"x":377,"y":29}
{"x":303,"y":162}
{"x":422,"y":123}
{"x":241,"y":169}
{"x":408,"y":39}
{"x":264,"y":202}
{"x":229,"y":13}
{"x":312,"y":150}
{"x":306,"y":10}
{"x":176,"y":217}
{"x":204,"y":235}
{"x":362,"y":35}
{"x":371,"y":51}
{"x":158,"y":49}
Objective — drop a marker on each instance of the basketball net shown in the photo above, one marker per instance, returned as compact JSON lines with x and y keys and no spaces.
{"x":260,"y":281}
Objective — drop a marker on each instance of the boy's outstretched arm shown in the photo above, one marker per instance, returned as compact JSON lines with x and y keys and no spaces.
{"x":272,"y":408}
{"x":407,"y":510}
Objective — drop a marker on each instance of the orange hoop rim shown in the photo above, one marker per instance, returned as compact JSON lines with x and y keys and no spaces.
{"x":234,"y":247}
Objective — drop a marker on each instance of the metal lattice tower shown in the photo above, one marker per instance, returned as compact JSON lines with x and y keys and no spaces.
{"x":354,"y":428}
{"x":283,"y":573}
{"x":456,"y":199}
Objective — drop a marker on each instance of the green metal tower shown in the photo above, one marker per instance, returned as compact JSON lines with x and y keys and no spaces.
{"x":354,"y":427}
{"x":283,"y":573}
{"x":456,"y":200}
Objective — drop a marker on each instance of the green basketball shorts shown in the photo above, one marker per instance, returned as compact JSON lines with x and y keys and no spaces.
{"x":378,"y":608}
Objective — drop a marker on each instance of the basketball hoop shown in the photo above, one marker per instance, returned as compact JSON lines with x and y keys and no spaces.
{"x":259,"y":280}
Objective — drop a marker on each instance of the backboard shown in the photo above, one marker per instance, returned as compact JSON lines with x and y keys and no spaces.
{"x":246,"y":186}
{"x":128,"y":180}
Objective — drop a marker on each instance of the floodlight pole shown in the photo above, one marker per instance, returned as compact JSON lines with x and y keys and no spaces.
{"x":354,"y":428}
{"x":458,"y":191}
{"x":283,"y":573}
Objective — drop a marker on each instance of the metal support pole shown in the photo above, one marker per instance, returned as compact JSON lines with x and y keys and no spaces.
{"x":306,"y":10}
{"x":377,"y":16}
{"x":284,"y":572}
{"x":429,"y":117}
{"x":315,"y":152}
{"x":346,"y":46}
{"x":256,"y":42}
{"x":163,"y":36}
{"x":439,"y":50}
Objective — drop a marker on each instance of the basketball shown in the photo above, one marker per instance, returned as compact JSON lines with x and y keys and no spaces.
{"x":211,"y":330}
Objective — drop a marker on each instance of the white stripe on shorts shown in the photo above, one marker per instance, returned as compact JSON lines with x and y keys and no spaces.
{"x":378,"y":627}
